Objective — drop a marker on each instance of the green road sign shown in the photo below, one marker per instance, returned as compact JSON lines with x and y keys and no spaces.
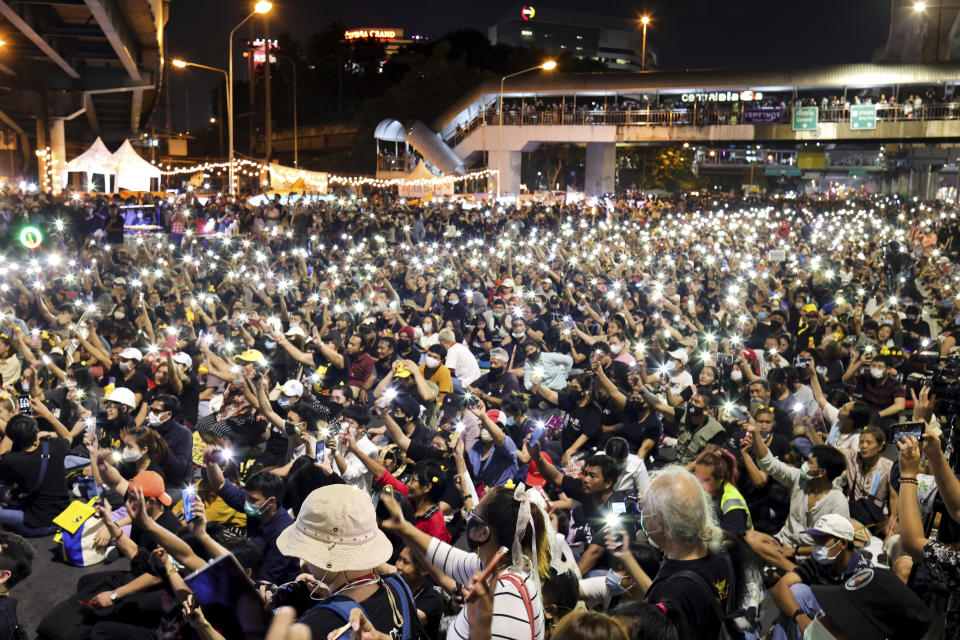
{"x":863,"y":117}
{"x":805,"y":118}
{"x":782,"y":171}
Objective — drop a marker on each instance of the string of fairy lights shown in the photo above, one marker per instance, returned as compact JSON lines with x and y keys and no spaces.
{"x":47,"y":162}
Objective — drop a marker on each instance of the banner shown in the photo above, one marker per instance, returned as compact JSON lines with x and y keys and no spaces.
{"x":291,"y":179}
{"x":425,"y":189}
{"x":762,"y":115}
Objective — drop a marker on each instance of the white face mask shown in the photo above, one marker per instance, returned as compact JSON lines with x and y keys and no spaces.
{"x":736,"y":375}
{"x":125,"y":366}
{"x":616,"y":348}
{"x":432,"y":363}
{"x":427,"y":327}
{"x":876,"y":372}
{"x":153,"y":419}
{"x":131,"y":455}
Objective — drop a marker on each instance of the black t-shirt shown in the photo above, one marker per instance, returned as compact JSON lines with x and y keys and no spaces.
{"x":167,"y":519}
{"x":8,"y":617}
{"x":23,"y":468}
{"x":189,"y":400}
{"x":430,"y":601}
{"x":64,"y":411}
{"x":813,"y":573}
{"x":335,"y":376}
{"x":636,"y":431}
{"x":698,"y":617}
{"x":377,"y":607}
{"x":498,"y":387}
{"x":584,"y":420}
{"x":137,"y":382}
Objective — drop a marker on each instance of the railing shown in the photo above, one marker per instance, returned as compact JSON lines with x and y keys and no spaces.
{"x":687,"y":116}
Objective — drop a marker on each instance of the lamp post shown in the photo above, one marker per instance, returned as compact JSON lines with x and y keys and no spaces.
{"x":920,"y":7}
{"x":549,"y":65}
{"x":644,"y":20}
{"x":261,"y":7}
{"x":183,"y":64}
{"x":293,"y":65}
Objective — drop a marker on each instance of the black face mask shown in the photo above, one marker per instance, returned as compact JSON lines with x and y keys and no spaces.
{"x":694,"y":411}
{"x":496,"y":372}
{"x":473,"y":522}
{"x":403,"y":345}
{"x":577,"y":396}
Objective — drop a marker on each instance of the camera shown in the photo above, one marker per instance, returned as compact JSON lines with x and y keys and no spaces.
{"x":725,"y":359}
{"x":291,"y":594}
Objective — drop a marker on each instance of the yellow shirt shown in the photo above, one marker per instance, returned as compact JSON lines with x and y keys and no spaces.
{"x":441,"y":378}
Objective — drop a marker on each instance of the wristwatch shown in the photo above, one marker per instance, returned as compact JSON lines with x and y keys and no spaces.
{"x":798,"y":612}
{"x":113,"y":597}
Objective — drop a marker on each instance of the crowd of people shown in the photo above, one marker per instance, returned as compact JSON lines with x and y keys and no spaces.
{"x":691,"y":417}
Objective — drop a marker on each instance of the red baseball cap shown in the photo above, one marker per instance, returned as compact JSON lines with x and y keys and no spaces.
{"x":151,"y":483}
{"x":534,"y":479}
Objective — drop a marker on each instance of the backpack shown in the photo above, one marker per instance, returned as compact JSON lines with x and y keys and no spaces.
{"x":734,"y":622}
{"x":343,"y":605}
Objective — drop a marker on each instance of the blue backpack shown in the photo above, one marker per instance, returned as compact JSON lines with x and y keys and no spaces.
{"x":342,"y":606}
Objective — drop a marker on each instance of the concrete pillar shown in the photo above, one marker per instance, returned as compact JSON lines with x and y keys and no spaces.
{"x":508,"y":163}
{"x":59,"y":150}
{"x":601,"y":168}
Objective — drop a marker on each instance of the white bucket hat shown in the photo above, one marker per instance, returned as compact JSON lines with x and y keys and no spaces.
{"x":336,"y":530}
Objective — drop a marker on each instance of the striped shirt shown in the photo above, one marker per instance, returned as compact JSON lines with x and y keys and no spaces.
{"x":510,"y":620}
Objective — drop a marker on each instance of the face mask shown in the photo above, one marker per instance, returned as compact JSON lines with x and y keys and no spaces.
{"x":694,"y":411}
{"x":453,"y":301}
{"x":681,"y":326}
{"x":432,"y":363}
{"x":269,"y":344}
{"x":119,"y":315}
{"x":887,"y":323}
{"x":518,"y":335}
{"x":497,"y":314}
{"x":511,"y":422}
{"x":876,"y":373}
{"x":403,"y":344}
{"x":616,"y":348}
{"x":736,"y":375}
{"x":495,"y":371}
{"x":427,"y":327}
{"x":473,"y":522}
{"x":816,"y":631}
{"x":70,"y":384}
{"x":762,"y":315}
{"x":254,"y":511}
{"x":643,"y":527}
{"x":821,"y":554}
{"x":131,"y":455}
{"x":613,"y":581}
{"x":283,"y":401}
{"x":153,"y":419}
{"x":125,"y":367}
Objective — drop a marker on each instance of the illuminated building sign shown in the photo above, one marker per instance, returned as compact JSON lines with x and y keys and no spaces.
{"x":528,"y":12}
{"x":722,"y":96}
{"x":259,"y":49}
{"x":373,"y":34}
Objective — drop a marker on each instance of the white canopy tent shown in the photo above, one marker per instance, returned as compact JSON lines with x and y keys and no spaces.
{"x":133,"y":172}
{"x":97,"y":160}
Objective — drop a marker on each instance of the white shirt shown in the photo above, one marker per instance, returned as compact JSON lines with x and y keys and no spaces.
{"x":510,"y":619}
{"x":634,"y":478}
{"x":462,"y":363}
{"x":680,"y":381}
{"x":356,"y":473}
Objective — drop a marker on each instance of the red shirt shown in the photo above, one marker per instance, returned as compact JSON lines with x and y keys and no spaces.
{"x":360,"y":369}
{"x":433,"y":524}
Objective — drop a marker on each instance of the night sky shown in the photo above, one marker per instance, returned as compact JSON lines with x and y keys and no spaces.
{"x":686,"y":33}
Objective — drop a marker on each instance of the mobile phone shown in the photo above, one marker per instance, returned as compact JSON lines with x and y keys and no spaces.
{"x":23,"y":403}
{"x":537,"y":433}
{"x":223,"y":582}
{"x":907,"y":430}
{"x":321,"y":451}
{"x":189,"y":495}
{"x":569,"y":322}
{"x":686,"y":394}
{"x":737,"y":413}
{"x":801,"y":362}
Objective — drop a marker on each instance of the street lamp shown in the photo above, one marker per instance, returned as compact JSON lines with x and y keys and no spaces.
{"x":261,"y":7}
{"x":549,"y":65}
{"x":183,"y":64}
{"x":921,"y":7}
{"x":644,"y":20}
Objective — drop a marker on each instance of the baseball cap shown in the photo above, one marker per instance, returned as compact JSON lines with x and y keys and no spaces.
{"x":402,"y":372}
{"x":183,"y":359}
{"x":336,"y":530}
{"x":151,"y":483}
{"x":292,"y":388}
{"x":497,"y":416}
{"x":250,"y":355}
{"x":809,"y":308}
{"x":873,"y":604}
{"x":508,"y":283}
{"x":131,"y":354}
{"x":679,"y":354}
{"x":833,"y":525}
{"x":296,"y":330}
{"x":534,"y":477}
